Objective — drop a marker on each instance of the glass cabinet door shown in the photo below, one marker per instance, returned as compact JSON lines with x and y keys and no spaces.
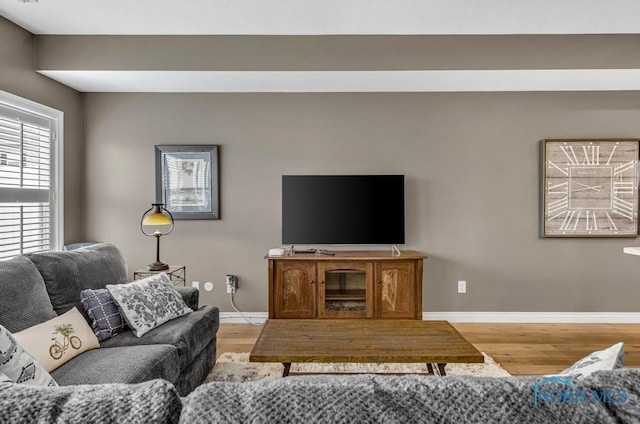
{"x":345,"y":291}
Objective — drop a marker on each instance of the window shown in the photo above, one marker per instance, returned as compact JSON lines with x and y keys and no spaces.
{"x":30,"y":177}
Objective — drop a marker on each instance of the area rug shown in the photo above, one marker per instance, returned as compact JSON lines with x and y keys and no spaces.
{"x":236,"y":367}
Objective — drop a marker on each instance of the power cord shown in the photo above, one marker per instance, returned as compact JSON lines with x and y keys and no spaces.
{"x":241,"y":314}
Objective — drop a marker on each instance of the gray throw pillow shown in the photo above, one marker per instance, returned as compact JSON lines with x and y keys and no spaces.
{"x":148,"y":303}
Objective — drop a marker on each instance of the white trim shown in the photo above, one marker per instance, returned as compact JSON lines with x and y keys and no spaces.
{"x":434,"y":81}
{"x":57,"y":156}
{"x":236,"y":317}
{"x":536,"y":317}
{"x":488,"y":317}
{"x":58,"y":192}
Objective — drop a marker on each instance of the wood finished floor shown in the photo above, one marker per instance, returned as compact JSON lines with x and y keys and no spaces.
{"x":521,"y":349}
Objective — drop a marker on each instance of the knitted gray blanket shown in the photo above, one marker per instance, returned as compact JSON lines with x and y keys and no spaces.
{"x":606,"y":397}
{"x":156,"y":401}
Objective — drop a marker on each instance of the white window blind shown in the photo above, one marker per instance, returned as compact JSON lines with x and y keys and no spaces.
{"x":29,"y":216}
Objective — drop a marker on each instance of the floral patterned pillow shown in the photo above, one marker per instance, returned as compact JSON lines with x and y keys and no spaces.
{"x":148,"y":303}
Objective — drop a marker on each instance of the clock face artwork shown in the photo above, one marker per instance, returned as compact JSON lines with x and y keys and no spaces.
{"x":590,"y":188}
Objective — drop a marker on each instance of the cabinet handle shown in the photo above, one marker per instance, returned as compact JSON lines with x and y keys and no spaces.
{"x":312,"y":282}
{"x":322,"y":282}
{"x":379,"y":282}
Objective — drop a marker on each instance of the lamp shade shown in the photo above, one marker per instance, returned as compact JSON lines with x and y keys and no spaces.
{"x":157,"y":221}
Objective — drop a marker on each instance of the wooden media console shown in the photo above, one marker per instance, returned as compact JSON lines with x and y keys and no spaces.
{"x":346,"y":284}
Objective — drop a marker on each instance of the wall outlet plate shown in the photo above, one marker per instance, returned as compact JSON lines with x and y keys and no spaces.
{"x":462,"y":286}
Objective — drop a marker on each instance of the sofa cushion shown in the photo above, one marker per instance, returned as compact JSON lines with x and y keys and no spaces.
{"x":127,"y":364}
{"x":66,"y":274}
{"x":24,"y":301}
{"x":152,"y":402}
{"x":189,"y":334}
{"x":58,"y":340}
{"x":104,"y":313}
{"x":18,"y":365}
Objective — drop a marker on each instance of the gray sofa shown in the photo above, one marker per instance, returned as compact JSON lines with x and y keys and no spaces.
{"x":336,"y":399}
{"x":37,"y":287}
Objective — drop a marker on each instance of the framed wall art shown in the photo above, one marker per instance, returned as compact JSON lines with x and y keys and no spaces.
{"x":187,"y":180}
{"x":590,"y":188}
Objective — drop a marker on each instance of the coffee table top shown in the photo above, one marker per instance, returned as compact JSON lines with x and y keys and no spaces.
{"x":362,"y":340}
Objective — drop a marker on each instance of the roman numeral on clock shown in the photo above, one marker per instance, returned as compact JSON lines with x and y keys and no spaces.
{"x":569,"y":222}
{"x":624,"y":167}
{"x":557,"y":207}
{"x":591,"y":155}
{"x":622,"y":187}
{"x":570,"y":154}
{"x":565,"y":171}
{"x":591,"y":223}
{"x":560,"y":188}
{"x":613,"y":225}
{"x":623,"y":208}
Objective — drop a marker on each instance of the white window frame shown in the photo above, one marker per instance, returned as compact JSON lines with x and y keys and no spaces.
{"x":56,"y":188}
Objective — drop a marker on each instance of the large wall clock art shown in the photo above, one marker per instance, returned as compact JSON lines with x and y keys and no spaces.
{"x":590,"y":188}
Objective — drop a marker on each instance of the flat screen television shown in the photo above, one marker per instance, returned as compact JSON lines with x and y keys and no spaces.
{"x":343,"y":209}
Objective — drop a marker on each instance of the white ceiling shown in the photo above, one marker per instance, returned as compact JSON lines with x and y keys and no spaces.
{"x":320,"y":17}
{"x":324,"y":16}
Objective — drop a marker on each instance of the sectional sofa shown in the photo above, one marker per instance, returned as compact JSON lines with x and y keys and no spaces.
{"x":157,"y":377}
{"x":41,"y":286}
{"x":337,"y":399}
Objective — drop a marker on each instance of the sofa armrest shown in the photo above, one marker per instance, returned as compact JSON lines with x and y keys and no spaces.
{"x":191,"y":296}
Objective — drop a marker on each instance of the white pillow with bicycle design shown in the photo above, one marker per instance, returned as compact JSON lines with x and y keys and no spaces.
{"x":56,"y":341}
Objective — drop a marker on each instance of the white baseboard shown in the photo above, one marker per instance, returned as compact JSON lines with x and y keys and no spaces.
{"x":536,"y":317}
{"x":236,"y":317}
{"x":488,"y":317}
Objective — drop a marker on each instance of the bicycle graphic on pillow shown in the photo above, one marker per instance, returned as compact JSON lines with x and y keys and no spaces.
{"x":57,"y":349}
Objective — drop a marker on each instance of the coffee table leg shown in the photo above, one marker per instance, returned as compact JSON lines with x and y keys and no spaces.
{"x":439,"y":366}
{"x":287,"y":366}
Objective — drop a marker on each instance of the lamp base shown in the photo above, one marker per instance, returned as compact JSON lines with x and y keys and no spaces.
{"x":157,"y":266}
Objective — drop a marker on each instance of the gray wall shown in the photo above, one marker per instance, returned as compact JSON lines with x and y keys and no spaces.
{"x":472,"y":193}
{"x":18,"y":76}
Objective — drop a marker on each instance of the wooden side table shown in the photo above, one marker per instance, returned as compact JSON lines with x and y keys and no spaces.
{"x":177,"y":274}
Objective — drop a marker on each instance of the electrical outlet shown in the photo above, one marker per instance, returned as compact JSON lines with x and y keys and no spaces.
{"x":232,"y":283}
{"x":196,"y":284}
{"x":462,"y":286}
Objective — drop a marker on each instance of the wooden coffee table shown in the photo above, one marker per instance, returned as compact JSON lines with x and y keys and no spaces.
{"x":363,"y":341}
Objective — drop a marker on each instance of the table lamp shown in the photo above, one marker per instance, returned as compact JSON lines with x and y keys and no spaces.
{"x":157,"y":222}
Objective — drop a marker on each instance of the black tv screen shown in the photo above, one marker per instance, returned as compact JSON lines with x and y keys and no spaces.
{"x":343,"y":209}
